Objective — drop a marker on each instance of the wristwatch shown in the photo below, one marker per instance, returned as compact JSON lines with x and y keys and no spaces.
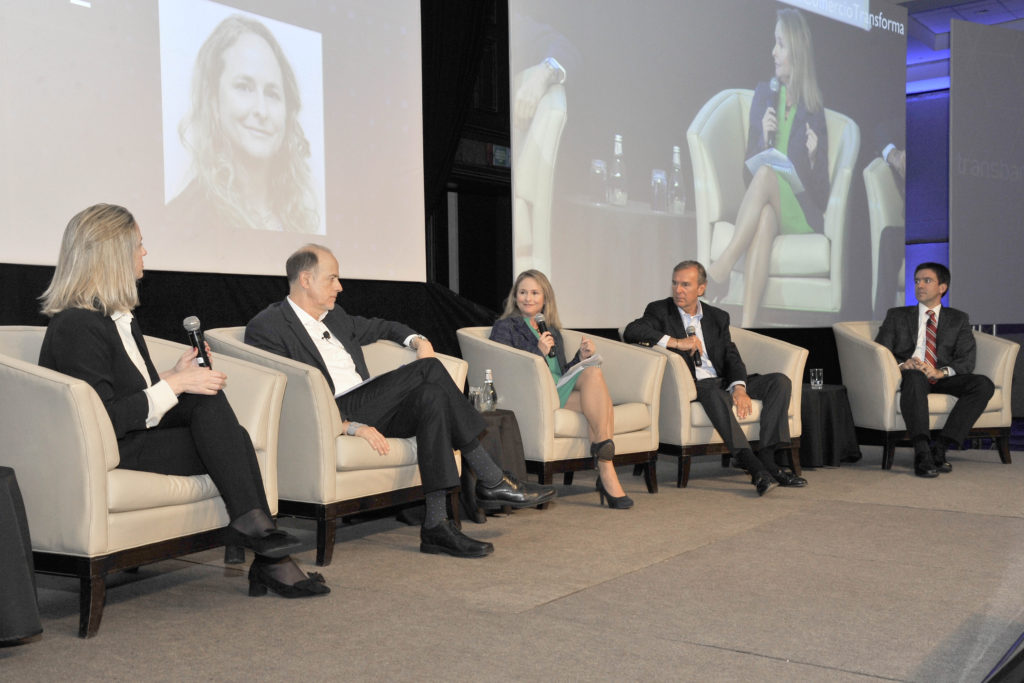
{"x":945,"y":372}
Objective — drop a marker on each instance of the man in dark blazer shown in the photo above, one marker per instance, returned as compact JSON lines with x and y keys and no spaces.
{"x":419,"y":399}
{"x":695,"y":330}
{"x":905,"y":333}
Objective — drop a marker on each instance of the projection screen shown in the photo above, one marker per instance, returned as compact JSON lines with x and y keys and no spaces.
{"x":235,"y":132}
{"x":986,"y":171}
{"x":664,"y":74}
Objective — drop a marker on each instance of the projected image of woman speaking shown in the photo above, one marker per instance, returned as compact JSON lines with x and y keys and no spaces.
{"x":249,"y":154}
{"x":787,"y":114}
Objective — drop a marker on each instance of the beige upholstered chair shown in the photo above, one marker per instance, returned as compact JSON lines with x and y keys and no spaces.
{"x":324,"y":474}
{"x":872,"y":380}
{"x":555,"y":440}
{"x":885,"y":214}
{"x":806,"y":271}
{"x":684,"y":426}
{"x":86,"y":517}
{"x":536,"y":151}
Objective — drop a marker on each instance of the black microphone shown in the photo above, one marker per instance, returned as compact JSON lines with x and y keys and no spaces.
{"x":542,"y":327}
{"x":690,"y":331}
{"x":327,"y":335}
{"x":195,"y":337}
{"x":773,"y":85}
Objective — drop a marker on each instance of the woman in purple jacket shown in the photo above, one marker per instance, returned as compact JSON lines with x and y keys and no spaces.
{"x":532,"y":297}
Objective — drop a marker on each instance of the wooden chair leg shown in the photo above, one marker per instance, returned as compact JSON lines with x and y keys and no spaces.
{"x":92,"y":596}
{"x":684,"y":463}
{"x":567,"y":478}
{"x":651,"y":474}
{"x":1003,"y":444}
{"x":234,"y":554}
{"x":888,"y":452}
{"x":325,"y":540}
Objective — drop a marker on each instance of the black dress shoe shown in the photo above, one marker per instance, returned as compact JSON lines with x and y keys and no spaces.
{"x":445,"y":539}
{"x":764,"y":483}
{"x":786,"y":479}
{"x":939,"y":458}
{"x":261,"y":579}
{"x":923,"y":465}
{"x":516,"y":494}
{"x":272,"y":543}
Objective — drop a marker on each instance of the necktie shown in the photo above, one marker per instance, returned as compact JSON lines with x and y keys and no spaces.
{"x":929,"y":341}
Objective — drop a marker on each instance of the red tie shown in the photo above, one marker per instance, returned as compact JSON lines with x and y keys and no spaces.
{"x":929,"y":341}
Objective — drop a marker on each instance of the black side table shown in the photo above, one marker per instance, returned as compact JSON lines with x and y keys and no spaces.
{"x":19,"y":611}
{"x":828,"y":437}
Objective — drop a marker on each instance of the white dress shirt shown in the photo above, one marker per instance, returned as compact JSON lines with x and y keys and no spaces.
{"x":706,"y":369}
{"x":160,"y":396}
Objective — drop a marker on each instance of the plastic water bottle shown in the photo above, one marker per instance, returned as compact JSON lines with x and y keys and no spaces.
{"x":617,"y":194}
{"x":490,"y":396}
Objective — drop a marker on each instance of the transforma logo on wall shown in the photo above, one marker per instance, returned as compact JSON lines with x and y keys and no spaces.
{"x":853,"y":12}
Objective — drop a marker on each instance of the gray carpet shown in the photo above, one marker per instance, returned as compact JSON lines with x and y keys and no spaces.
{"x":864,"y":575}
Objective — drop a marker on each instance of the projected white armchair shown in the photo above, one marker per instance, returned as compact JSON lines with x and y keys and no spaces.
{"x":685,"y":428}
{"x":886,"y":215}
{"x":872,"y":380}
{"x":806,"y":271}
{"x":87,"y":518}
{"x":555,"y":439}
{"x":324,"y":474}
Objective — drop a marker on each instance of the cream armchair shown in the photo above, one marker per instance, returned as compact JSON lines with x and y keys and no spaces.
{"x":536,"y":151}
{"x":555,"y":440}
{"x":872,"y":380}
{"x":885,"y":214}
{"x":89,"y":519}
{"x":684,"y":426}
{"x":325,"y":475}
{"x":806,"y":271}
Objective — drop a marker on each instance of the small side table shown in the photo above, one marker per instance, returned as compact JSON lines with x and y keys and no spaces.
{"x":828,"y":437}
{"x":19,"y":611}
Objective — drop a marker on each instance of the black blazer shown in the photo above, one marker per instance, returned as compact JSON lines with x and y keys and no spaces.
{"x":277,"y":329}
{"x":515,"y":332}
{"x":662,"y":317}
{"x":85,"y":344}
{"x":817,"y":187}
{"x":954,"y":341}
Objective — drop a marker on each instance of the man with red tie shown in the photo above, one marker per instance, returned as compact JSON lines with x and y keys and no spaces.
{"x":935,"y":349}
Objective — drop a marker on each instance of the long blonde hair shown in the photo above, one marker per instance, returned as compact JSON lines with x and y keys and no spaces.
{"x":213,"y":159}
{"x":803,"y":85}
{"x":550,"y":308}
{"x":96,"y":264}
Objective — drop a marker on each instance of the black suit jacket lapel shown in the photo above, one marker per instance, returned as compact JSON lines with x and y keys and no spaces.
{"x":140,"y":342}
{"x":305,"y":341}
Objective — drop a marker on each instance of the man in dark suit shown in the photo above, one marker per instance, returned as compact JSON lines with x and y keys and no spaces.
{"x":695,"y":331}
{"x":419,"y":399}
{"x":942,"y":366}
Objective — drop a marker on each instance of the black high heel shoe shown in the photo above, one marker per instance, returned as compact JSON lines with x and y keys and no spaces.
{"x":260,"y":579}
{"x":614,"y":503}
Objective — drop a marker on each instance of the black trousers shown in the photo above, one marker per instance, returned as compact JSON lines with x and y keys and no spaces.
{"x":419,"y":399}
{"x":774,"y":391}
{"x":201,"y":435}
{"x":972,"y":394}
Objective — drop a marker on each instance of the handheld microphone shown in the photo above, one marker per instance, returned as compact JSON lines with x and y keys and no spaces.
{"x":773,"y":85}
{"x":691,"y":331}
{"x":542,"y":327}
{"x":195,"y":337}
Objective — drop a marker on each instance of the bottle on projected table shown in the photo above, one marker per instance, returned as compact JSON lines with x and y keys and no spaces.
{"x":676,"y":195}
{"x":617,"y":176}
{"x":490,"y":396}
